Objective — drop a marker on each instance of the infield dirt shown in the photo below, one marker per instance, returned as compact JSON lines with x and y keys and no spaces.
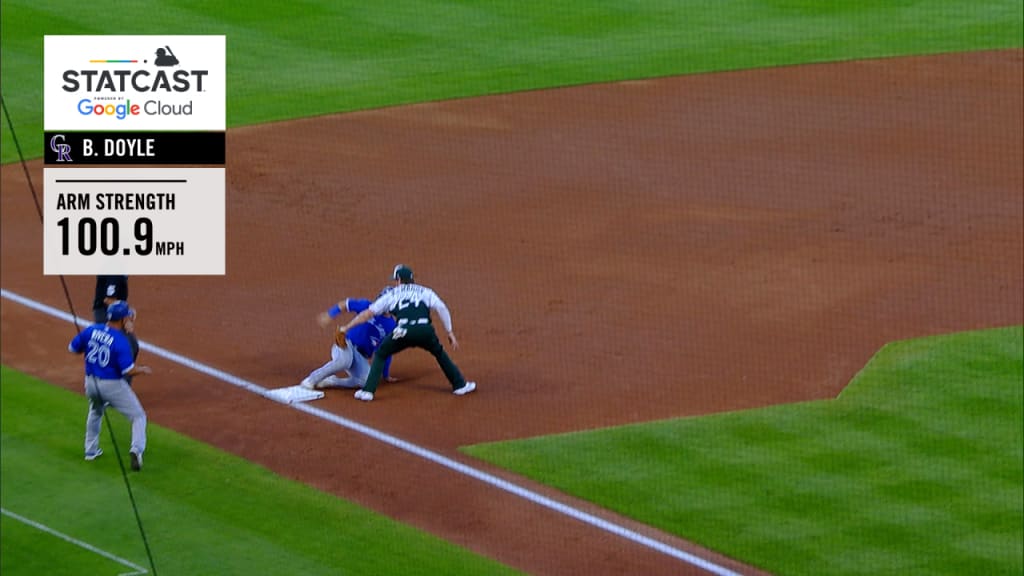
{"x":610,"y":253}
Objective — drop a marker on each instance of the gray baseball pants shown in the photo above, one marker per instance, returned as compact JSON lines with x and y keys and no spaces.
{"x":120,"y":396}
{"x":346,"y":359}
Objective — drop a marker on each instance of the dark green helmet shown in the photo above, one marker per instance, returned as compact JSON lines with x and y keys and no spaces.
{"x":402,"y":273}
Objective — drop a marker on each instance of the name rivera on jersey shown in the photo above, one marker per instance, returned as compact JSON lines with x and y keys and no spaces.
{"x":103,"y":337}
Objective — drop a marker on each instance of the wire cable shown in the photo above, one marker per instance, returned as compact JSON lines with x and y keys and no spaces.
{"x":71,"y":310}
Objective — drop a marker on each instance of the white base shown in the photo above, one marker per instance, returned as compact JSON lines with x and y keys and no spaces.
{"x":293,"y":394}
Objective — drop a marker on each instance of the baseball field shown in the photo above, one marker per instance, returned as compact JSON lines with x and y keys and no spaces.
{"x":741,"y":284}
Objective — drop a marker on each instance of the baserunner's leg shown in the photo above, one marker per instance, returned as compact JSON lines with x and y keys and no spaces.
{"x":356,"y":378}
{"x":341,"y":360}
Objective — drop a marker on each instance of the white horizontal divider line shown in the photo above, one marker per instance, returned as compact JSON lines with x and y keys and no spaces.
{"x":405,"y":446}
{"x":138,"y":570}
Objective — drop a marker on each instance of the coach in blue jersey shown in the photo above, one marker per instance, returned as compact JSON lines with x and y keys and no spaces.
{"x":410,"y":304}
{"x":358,"y":347}
{"x":108,"y":360}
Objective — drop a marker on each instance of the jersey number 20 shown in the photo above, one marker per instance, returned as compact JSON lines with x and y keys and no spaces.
{"x":98,"y":354}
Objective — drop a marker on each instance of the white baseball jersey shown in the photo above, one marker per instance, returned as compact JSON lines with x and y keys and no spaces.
{"x":411,"y":304}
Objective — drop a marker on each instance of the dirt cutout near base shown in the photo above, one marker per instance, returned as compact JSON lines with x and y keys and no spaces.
{"x":610,"y":253}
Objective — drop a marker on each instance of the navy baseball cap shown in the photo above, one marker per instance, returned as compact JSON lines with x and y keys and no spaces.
{"x":402,"y":272}
{"x":118,"y":310}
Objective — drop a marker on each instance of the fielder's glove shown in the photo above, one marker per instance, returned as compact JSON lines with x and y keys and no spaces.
{"x":340,"y":337}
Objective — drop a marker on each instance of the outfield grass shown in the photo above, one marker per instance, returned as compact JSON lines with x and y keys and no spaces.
{"x":204,"y":511}
{"x":917,"y":468}
{"x":288,"y":60}
{"x":328,"y":57}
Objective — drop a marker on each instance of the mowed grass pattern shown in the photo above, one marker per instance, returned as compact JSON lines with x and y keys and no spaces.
{"x":204,"y":511}
{"x":288,"y":60}
{"x":28,"y":550}
{"x":296,"y":59}
{"x":915,"y":469}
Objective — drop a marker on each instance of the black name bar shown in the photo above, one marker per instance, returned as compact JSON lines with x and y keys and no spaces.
{"x":88,"y":148}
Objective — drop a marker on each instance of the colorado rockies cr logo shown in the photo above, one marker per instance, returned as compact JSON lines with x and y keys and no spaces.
{"x":61,"y":149}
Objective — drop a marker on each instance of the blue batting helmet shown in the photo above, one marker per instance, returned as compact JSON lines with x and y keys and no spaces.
{"x":118,"y":310}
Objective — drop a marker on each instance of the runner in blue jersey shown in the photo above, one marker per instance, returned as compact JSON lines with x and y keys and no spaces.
{"x":411,"y":305}
{"x":108,"y":360}
{"x":359,"y":346}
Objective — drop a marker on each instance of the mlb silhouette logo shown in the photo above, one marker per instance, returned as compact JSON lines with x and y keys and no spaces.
{"x":164,"y":57}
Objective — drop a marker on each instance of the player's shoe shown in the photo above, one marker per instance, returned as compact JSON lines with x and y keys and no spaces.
{"x":466,"y":389}
{"x":335,"y":382}
{"x":363,"y":395}
{"x":94,"y":455}
{"x":136,"y":461}
{"x":308,"y":384}
{"x":329,"y":382}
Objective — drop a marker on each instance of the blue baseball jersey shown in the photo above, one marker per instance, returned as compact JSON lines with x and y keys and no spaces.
{"x":368,"y":336}
{"x":108,"y":353}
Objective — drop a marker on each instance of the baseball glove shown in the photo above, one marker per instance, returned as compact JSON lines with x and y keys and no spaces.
{"x":340,"y":337}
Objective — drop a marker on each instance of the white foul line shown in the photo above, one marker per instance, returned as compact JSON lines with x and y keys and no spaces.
{"x":424,"y":453}
{"x":137,"y":569}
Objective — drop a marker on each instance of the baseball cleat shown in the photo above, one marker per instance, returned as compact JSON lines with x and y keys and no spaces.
{"x":363,"y":395}
{"x":335,"y":382}
{"x":136,"y":461}
{"x":466,"y":389}
{"x":94,"y":455}
{"x":328,"y":382}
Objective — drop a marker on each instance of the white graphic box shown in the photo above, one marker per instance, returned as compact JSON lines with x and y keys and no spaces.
{"x":124,"y":83}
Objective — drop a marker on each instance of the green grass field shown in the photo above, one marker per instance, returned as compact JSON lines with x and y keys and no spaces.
{"x":815,"y":464}
{"x":288,"y":60}
{"x":917,"y":468}
{"x":204,"y":511}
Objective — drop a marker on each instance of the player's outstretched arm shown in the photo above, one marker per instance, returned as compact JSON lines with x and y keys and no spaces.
{"x":361,"y":318}
{"x":324,"y":318}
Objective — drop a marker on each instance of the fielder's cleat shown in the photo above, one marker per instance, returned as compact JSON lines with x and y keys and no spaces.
{"x":466,"y":389}
{"x":308,"y":384}
{"x":136,"y":461}
{"x":94,"y":455}
{"x":363,"y":395}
